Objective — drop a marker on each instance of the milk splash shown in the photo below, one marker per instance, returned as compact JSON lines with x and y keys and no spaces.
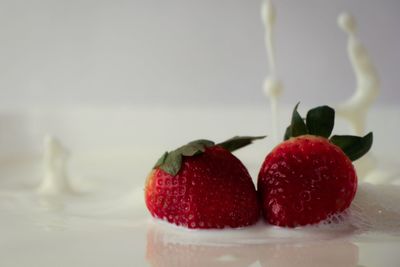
{"x":55,"y":178}
{"x":367,"y":81}
{"x":272,"y":85}
{"x":355,"y":109}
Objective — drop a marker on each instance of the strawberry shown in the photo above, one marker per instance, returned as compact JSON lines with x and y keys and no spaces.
{"x":309,"y":177}
{"x":203,"y":185}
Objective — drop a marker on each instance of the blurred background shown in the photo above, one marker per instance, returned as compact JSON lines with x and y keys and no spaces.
{"x":147,"y":76}
{"x":186,"y":52}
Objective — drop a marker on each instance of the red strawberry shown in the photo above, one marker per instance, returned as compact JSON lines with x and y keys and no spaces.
{"x":202,"y":185}
{"x":309,"y":177}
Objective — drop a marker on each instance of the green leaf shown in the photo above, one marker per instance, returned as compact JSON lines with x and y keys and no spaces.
{"x":203,"y":142}
{"x":161,"y":160}
{"x":353,"y":146}
{"x":288,"y":133}
{"x":195,"y":147}
{"x":172,"y":163}
{"x":298,"y":127}
{"x":190,"y":150}
{"x":320,"y":121}
{"x":237,"y":142}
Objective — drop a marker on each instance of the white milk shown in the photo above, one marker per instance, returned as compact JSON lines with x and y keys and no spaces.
{"x":55,"y":179}
{"x":272,"y":85}
{"x":355,"y":109}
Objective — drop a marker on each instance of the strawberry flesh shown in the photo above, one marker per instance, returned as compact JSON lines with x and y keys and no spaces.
{"x":211,"y":190}
{"x":304,"y":180}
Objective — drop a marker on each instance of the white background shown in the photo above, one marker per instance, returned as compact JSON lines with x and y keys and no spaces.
{"x":185,"y":52}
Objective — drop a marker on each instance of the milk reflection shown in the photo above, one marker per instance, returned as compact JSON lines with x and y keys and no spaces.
{"x":163,"y":250}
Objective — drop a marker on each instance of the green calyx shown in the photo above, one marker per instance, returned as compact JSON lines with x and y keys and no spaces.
{"x":171,"y":162}
{"x":320,"y":121}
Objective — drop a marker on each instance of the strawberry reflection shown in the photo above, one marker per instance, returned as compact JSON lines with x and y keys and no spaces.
{"x":164,"y":250}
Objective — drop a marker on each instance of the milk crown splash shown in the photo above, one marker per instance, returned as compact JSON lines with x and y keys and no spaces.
{"x":367,"y":80}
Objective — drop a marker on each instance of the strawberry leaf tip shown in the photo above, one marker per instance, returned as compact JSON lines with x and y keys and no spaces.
{"x":353,"y":146}
{"x":297,"y":126}
{"x":320,"y":122}
{"x":171,"y":162}
{"x":237,"y":142}
{"x":161,"y":160}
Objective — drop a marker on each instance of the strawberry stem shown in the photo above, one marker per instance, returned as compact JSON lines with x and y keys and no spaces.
{"x":171,"y":162}
{"x":320,"y":122}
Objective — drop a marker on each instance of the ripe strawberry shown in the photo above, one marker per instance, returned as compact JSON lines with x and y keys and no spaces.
{"x":309,"y":177}
{"x":202,"y":185}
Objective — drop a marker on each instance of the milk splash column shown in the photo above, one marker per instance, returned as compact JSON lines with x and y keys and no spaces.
{"x":367,"y":81}
{"x":55,"y":178}
{"x":272,"y":85}
{"x":355,"y":109}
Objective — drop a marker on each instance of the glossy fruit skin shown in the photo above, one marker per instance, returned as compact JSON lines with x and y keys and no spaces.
{"x":211,"y":190}
{"x":304,"y":180}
